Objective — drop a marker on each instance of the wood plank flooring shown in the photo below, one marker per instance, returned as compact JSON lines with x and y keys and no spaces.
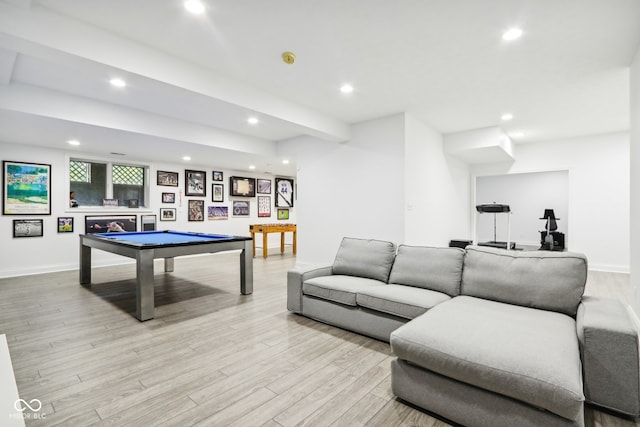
{"x":211,"y":357}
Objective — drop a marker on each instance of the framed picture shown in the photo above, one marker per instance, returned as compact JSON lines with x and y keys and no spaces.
{"x":110,"y":223}
{"x":217,"y":213}
{"x":240,"y":208}
{"x":27,"y":228}
{"x":167,"y":214}
{"x":133,"y":203}
{"x":264,"y":206}
{"x":284,"y":192}
{"x":218,"y":176}
{"x":65,"y":224}
{"x":195,"y":183}
{"x":242,"y":187}
{"x":217,"y":192}
{"x":283,"y":213}
{"x":168,"y":179}
{"x":168,"y":197}
{"x":264,"y":186}
{"x":26,"y":188}
{"x":147,"y":222}
{"x":196,"y":210}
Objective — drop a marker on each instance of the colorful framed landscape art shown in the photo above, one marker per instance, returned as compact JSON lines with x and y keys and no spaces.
{"x":26,"y":188}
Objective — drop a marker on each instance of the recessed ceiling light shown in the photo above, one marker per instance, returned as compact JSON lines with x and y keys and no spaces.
{"x":285,"y":162}
{"x":506,"y":117}
{"x":252,"y":167}
{"x":194,"y":6}
{"x":253,"y":120}
{"x":117,"y":82}
{"x":186,"y":158}
{"x":346,"y":88}
{"x":73,"y":142}
{"x":512,"y":34}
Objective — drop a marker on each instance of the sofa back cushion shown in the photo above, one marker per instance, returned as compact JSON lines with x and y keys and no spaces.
{"x":364,"y":258}
{"x":540,"y":279}
{"x":438,"y":269}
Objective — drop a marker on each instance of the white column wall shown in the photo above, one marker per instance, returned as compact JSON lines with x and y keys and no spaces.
{"x":635,"y":182}
{"x":437,"y":189}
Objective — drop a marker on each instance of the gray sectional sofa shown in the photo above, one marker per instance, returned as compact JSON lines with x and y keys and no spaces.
{"x":483,"y":337}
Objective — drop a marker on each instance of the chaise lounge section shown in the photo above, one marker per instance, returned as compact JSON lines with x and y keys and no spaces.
{"x":483,"y":337}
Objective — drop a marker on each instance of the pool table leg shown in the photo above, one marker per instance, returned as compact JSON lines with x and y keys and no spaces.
{"x":144,"y":288}
{"x":246,"y":270}
{"x":168,"y":265}
{"x":85,"y":265}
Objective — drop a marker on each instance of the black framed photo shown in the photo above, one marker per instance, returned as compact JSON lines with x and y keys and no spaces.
{"x":218,"y":213}
{"x":65,"y":224}
{"x":218,"y":176}
{"x":240,"y":208}
{"x":242,"y":187}
{"x":264,"y":206}
{"x":195,"y":183}
{"x":26,"y":188}
{"x":27,"y":228}
{"x":217,"y":192}
{"x":110,"y":223}
{"x":168,"y":197}
{"x":264,"y":186}
{"x":196,"y":210}
{"x":283,"y":213}
{"x":284,"y":192}
{"x":167,"y":179}
{"x":167,"y":214}
{"x":133,"y":203}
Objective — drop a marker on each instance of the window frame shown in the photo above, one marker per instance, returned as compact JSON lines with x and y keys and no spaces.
{"x":109,"y":162}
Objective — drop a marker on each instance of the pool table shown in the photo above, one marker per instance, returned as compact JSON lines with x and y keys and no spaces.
{"x":145,"y":246}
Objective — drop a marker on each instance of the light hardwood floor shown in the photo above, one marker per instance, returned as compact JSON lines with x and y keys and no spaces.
{"x":210,"y":357}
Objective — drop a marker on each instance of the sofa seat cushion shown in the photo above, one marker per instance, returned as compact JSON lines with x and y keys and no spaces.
{"x":338,"y":288}
{"x":402,"y":301}
{"x":527,"y":354}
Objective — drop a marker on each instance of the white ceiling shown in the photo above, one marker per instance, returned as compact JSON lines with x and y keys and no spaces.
{"x":194,"y":80}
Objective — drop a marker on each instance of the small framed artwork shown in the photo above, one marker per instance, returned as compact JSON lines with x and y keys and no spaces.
{"x":242,"y":187}
{"x":264,"y":186}
{"x":110,"y":223}
{"x":196,"y":210}
{"x":65,"y":224}
{"x":27,"y":228}
{"x":264,"y":206}
{"x":240,"y":208}
{"x":283,"y":213}
{"x":218,"y":176}
{"x":133,"y":203}
{"x":110,"y":202}
{"x":167,"y":214}
{"x":195,"y":183}
{"x":168,"y":197}
{"x":217,"y":213}
{"x":284,"y":192}
{"x":167,"y":179}
{"x":217,"y":192}
{"x":26,"y":189}
{"x":147,"y":222}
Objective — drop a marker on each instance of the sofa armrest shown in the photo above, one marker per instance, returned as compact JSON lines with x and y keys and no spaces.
{"x":608,"y":341}
{"x":295,"y":278}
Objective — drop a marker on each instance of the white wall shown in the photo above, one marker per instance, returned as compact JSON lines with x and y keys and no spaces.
{"x":353,"y":189}
{"x":528,"y":195}
{"x":59,"y":251}
{"x":635,"y":181}
{"x":437,"y":189}
{"x":598,"y":218}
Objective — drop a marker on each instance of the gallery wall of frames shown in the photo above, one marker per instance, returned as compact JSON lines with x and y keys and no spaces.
{"x":41,"y":216}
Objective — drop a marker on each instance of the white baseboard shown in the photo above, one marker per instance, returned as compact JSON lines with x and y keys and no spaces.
{"x":610,"y":268}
